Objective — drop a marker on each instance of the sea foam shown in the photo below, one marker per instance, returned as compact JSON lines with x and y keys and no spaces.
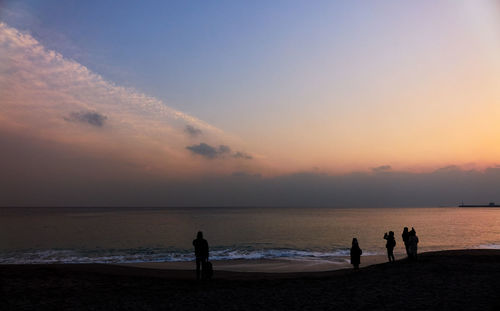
{"x":162,"y":255}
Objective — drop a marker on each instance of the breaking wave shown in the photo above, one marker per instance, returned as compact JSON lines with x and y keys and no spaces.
{"x":490,"y":246}
{"x":161,"y":255}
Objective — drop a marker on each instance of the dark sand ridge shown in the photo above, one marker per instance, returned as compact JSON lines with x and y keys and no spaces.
{"x":446,"y":280}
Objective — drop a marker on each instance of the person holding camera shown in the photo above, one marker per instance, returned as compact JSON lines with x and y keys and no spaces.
{"x":391,"y":243}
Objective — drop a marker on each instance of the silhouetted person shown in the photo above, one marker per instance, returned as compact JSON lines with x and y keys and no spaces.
{"x":201,"y":253}
{"x":406,"y":237}
{"x":412,"y":244}
{"x":391,"y":243}
{"x":355,"y":254}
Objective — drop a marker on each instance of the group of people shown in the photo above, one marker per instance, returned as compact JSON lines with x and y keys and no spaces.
{"x":410,"y":240}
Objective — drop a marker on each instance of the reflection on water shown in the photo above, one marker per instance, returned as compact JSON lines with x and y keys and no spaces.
{"x":119,"y":235}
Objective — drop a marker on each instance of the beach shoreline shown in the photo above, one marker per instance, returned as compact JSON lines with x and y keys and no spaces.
{"x":444,"y":280}
{"x":266,"y":265}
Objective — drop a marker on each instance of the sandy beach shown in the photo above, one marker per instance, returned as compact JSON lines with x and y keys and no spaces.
{"x":446,"y":280}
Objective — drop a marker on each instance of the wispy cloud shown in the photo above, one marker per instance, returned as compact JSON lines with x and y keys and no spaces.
{"x":40,"y":89}
{"x":44,"y":74}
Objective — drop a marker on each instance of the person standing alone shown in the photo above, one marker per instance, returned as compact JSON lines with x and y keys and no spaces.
{"x":355,"y":254}
{"x":201,"y":253}
{"x":391,"y":243}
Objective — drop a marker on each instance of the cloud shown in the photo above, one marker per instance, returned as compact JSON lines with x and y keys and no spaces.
{"x":204,"y":150}
{"x":382,"y":168}
{"x":41,"y":89}
{"x":43,"y":173}
{"x":242,"y":155}
{"x":192,"y":131}
{"x":88,"y":180}
{"x":46,"y":80}
{"x":92,"y":118}
{"x":224,"y":149}
{"x":208,"y":151}
{"x":221,"y":151}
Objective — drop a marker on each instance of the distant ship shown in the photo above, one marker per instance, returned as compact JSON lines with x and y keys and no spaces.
{"x":491,"y":204}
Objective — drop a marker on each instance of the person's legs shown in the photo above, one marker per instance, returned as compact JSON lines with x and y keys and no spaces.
{"x":412,"y":254}
{"x":203,"y":261}
{"x":198,"y":268}
{"x":391,"y":255}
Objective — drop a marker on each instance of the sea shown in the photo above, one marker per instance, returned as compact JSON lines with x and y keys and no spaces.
{"x":135,"y":235}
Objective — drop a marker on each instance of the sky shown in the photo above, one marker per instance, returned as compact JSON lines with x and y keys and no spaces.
{"x":330,"y":103}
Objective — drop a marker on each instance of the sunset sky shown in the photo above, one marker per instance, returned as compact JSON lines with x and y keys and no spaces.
{"x":177,"y":103}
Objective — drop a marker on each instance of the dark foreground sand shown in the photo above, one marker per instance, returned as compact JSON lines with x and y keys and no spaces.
{"x":448,"y":280}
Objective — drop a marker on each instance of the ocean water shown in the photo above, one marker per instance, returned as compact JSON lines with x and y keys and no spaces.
{"x":127,"y":235}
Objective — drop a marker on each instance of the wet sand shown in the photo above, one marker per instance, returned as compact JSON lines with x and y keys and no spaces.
{"x":267,"y":265}
{"x":447,"y":280}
